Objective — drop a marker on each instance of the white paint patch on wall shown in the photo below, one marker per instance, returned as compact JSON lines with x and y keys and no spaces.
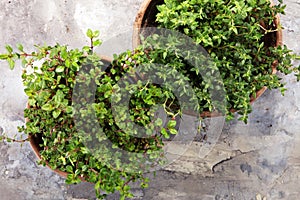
{"x":94,"y":15}
{"x":45,"y":9}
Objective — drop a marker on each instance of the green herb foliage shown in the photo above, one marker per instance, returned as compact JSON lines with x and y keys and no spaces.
{"x":240,"y":37}
{"x":50,"y":76}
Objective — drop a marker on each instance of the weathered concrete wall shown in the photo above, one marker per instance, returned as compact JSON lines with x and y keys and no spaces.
{"x":260,"y":159}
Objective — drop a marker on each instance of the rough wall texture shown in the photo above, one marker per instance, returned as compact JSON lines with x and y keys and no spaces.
{"x":253,"y":161}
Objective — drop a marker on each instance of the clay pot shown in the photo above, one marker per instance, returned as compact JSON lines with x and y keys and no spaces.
{"x":36,"y":140}
{"x":146,"y":18}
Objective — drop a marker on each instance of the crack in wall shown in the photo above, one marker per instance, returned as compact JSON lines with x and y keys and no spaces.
{"x":236,"y":153}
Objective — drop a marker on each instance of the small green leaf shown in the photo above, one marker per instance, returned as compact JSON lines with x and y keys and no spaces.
{"x":113,"y":71}
{"x":69,"y":169}
{"x":47,"y":107}
{"x":171,"y":124}
{"x":96,"y":33}
{"x":173,"y":131}
{"x":84,"y":150}
{"x":89,"y":33}
{"x":56,"y":113}
{"x":165,"y":54}
{"x":126,"y":188}
{"x":9,"y":49}
{"x":3,"y":56}
{"x":68,"y":63}
{"x":69,"y":109}
{"x":164,"y":133}
{"x":234,"y":29}
{"x":11,"y":63}
{"x":86,"y":48}
{"x":97,"y":43}
{"x":97,"y":185}
{"x":24,"y":62}
{"x":59,"y":69}
{"x":20,"y":47}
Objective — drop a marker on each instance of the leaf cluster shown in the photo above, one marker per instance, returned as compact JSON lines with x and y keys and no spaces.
{"x":50,"y":76}
{"x":240,"y":37}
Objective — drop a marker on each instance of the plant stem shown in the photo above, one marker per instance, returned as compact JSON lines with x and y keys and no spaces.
{"x":92,"y":46}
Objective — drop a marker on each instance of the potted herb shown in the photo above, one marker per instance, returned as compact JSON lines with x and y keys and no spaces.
{"x":69,"y":94}
{"x":243,"y":38}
